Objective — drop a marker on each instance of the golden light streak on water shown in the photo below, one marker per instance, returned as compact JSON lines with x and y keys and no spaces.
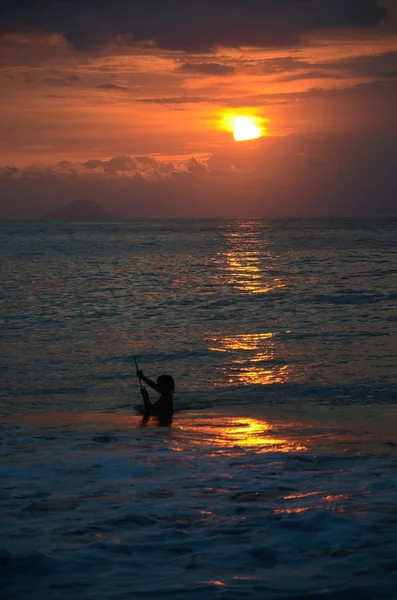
{"x":248,"y":260}
{"x":237,"y":432}
{"x":253,"y":359}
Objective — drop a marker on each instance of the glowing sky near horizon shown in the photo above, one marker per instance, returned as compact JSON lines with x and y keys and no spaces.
{"x":72,"y":95}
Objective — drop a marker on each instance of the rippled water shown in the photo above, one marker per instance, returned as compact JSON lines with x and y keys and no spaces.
{"x":297,"y":305}
{"x":277,"y":478}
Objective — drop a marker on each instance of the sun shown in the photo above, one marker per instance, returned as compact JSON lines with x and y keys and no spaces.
{"x":244,"y":124}
{"x":245,"y":128}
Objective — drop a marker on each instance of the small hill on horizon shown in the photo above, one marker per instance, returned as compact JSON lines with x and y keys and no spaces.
{"x":79,"y":210}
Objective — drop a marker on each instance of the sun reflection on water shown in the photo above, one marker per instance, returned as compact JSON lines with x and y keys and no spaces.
{"x":253,"y":358}
{"x":249,"y":264}
{"x":246,"y":274}
{"x":228,"y":433}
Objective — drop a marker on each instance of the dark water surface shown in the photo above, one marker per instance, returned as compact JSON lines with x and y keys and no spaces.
{"x":278,"y":477}
{"x":305,"y":307}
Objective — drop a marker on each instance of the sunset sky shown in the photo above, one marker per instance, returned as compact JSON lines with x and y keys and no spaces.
{"x":132,"y":104}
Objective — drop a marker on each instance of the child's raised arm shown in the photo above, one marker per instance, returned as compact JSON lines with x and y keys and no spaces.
{"x":148,"y":382}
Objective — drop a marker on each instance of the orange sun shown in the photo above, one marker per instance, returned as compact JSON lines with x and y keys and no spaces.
{"x":245,"y":128}
{"x":244,"y":124}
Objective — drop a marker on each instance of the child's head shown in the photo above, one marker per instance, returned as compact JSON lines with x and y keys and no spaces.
{"x":166,"y":384}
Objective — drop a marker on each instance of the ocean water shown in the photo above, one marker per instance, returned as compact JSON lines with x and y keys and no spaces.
{"x":278,"y":476}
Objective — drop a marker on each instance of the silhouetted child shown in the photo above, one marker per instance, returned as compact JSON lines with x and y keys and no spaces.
{"x":163,"y":409}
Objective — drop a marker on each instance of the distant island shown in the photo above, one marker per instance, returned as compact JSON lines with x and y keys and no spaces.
{"x":80,"y":210}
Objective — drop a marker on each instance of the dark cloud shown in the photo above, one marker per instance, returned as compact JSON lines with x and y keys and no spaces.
{"x":93,"y":164}
{"x":110,"y":86}
{"x":274,"y":66}
{"x":9,"y":172}
{"x":205,"y":69}
{"x":120,"y":163}
{"x":175,"y":100}
{"x":195,"y":166}
{"x":313,"y":74}
{"x":378,"y":65}
{"x":294,"y":69}
{"x":61,"y":81}
{"x":191,"y":26}
{"x":285,"y":176}
{"x":117,"y":164}
{"x":290,"y":68}
{"x":147,"y":161}
{"x":57,"y":96}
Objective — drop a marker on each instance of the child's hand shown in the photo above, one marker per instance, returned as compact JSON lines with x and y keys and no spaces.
{"x":139,"y":374}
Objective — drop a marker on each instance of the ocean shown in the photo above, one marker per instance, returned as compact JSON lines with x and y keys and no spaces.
{"x":277,"y":479}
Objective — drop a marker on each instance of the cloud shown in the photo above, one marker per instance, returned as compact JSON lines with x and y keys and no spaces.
{"x":114,"y":165}
{"x":312,"y":175}
{"x":275,"y":66}
{"x":8,"y":172}
{"x":206,"y":69}
{"x":314,"y":74}
{"x":120,"y":163}
{"x":294,"y":69}
{"x":378,"y":65}
{"x":195,"y":166}
{"x":144,"y":166}
{"x":147,"y":161}
{"x":186,"y":25}
{"x":61,"y":81}
{"x":93,"y":164}
{"x":174,"y":100}
{"x":375,"y":65}
{"x":110,"y":86}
